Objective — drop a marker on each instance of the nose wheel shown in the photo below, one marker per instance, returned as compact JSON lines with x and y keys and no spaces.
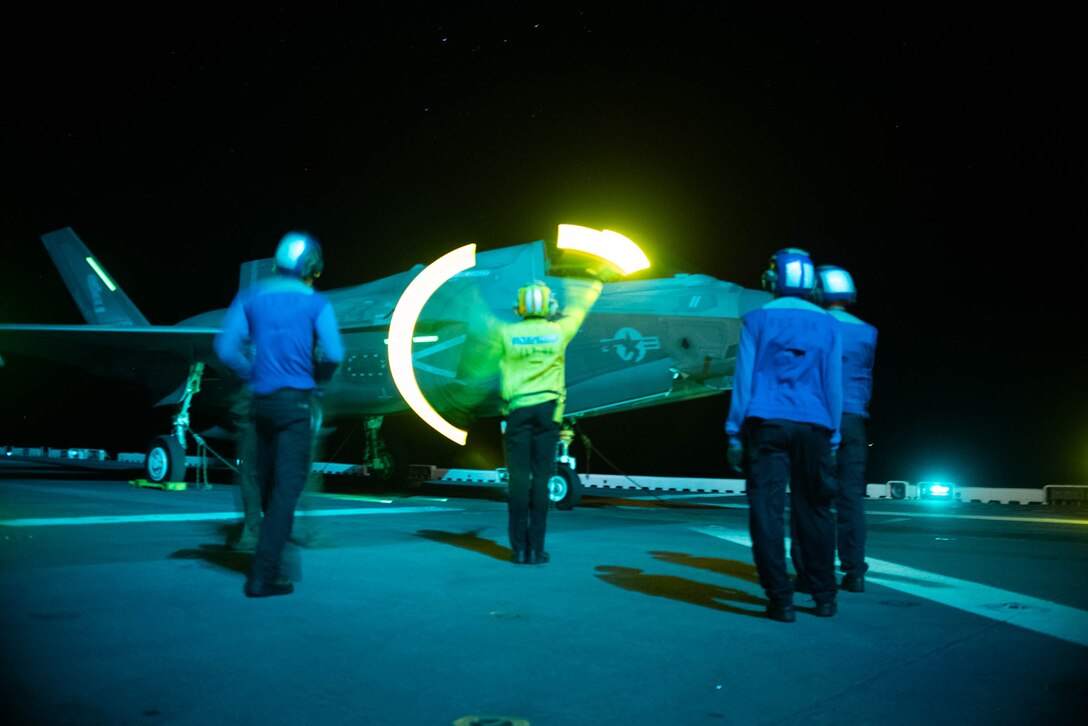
{"x":564,"y":488}
{"x":165,"y":461}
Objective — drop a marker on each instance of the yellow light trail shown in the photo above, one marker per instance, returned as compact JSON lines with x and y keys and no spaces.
{"x":402,"y":328}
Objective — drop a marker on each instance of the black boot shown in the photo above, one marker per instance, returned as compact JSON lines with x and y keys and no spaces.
{"x":853,"y":583}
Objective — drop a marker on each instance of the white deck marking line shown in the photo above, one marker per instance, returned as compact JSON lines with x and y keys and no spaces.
{"x":994,"y":518}
{"x":900,"y":516}
{"x":365,"y":498}
{"x":348,"y":497}
{"x":1042,"y":616}
{"x":209,"y":516}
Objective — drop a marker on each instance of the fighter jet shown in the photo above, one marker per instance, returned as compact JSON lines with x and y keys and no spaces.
{"x":646,"y":342}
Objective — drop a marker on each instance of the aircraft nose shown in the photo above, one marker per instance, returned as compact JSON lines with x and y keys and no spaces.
{"x":702,"y":349}
{"x":710,"y":367}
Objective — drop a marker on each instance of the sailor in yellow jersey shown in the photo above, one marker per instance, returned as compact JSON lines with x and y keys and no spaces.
{"x":534,"y":391}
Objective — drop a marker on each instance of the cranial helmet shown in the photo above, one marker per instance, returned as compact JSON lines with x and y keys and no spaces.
{"x":791,"y":272}
{"x":299,"y":254}
{"x":835,"y":285}
{"x":535,"y":301}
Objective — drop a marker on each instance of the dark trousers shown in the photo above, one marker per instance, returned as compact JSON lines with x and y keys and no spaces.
{"x":852,"y":458}
{"x":245,"y":476}
{"x":782,"y":453}
{"x":284,"y":443}
{"x":531,"y":438}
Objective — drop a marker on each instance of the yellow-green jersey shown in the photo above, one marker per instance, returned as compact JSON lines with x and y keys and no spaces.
{"x":533,"y":364}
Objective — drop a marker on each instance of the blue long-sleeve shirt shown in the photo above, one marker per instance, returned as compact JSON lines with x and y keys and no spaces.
{"x":858,"y":355}
{"x":269,"y":335}
{"x":789,"y":366}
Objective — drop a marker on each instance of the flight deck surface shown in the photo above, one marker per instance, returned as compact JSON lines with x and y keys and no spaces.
{"x":124,"y":605}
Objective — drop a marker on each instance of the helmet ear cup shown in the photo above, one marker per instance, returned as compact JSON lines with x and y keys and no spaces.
{"x":312,"y":264}
{"x":769,"y":280}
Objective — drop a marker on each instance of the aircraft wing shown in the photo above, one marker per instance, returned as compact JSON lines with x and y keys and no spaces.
{"x":104,"y":346}
{"x":156,"y":355}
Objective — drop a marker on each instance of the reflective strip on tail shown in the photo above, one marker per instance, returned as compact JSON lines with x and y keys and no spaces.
{"x":99,"y":298}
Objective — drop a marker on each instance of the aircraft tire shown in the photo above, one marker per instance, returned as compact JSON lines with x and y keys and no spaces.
{"x":565,"y":488}
{"x":165,"y":460}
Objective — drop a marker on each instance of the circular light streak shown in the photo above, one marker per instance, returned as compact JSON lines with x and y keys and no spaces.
{"x":402,"y":328}
{"x":612,"y":247}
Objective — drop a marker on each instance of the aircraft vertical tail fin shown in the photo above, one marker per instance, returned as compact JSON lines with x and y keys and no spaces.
{"x":249,"y":273}
{"x":99,"y":298}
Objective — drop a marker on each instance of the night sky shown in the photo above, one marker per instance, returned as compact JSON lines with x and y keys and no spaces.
{"x":937,"y":157}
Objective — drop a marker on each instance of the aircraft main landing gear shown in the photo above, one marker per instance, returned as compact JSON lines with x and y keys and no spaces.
{"x":376,"y":458}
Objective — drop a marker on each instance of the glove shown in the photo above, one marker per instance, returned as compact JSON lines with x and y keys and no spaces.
{"x":736,"y":457}
{"x":608,"y":274}
{"x":603,"y":272}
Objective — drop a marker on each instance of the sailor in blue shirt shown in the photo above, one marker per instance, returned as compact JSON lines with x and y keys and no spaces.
{"x":835,"y":290}
{"x":268,"y":339}
{"x":784,"y":414}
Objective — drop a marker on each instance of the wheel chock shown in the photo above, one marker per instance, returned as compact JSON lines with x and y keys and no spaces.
{"x":168,"y":486}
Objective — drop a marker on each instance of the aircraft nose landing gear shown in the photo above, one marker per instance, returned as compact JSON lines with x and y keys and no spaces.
{"x":564,"y":488}
{"x":165,"y":460}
